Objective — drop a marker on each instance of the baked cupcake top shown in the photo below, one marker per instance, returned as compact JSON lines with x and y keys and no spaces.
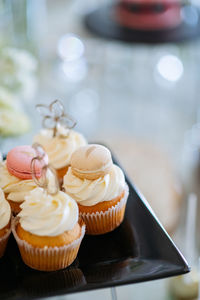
{"x":60,"y":147}
{"x":5,"y":211}
{"x":43,"y":214}
{"x":106,"y":179}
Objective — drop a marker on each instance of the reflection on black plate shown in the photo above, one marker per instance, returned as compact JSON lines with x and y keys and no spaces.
{"x":138,"y":250}
{"x":103,"y":23}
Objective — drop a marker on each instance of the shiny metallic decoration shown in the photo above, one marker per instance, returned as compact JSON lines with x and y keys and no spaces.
{"x":44,"y":181}
{"x":54,"y":116}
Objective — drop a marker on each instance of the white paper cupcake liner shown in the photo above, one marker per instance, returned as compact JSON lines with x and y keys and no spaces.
{"x":3,"y":242}
{"x":105,"y":221}
{"x":47,"y":258}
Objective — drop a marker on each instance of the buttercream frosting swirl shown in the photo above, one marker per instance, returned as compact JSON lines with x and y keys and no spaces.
{"x":48,"y":215}
{"x":5,"y":211}
{"x":90,"y":192}
{"x":58,"y":148}
{"x":15,"y":188}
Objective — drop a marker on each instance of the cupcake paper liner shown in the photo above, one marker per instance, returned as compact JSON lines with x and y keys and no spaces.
{"x":47,"y":258}
{"x":3,"y":242}
{"x":103,"y":222}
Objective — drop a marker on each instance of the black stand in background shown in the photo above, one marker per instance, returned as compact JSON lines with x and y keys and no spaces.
{"x":102,"y":22}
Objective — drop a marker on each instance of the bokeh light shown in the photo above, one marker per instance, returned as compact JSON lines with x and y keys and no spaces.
{"x":170,"y":68}
{"x":70,"y":47}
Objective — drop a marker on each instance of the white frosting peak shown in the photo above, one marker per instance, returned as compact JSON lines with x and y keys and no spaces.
{"x":58,"y":148}
{"x":5,"y":211}
{"x":48,"y":215}
{"x":90,"y":192}
{"x":15,"y":188}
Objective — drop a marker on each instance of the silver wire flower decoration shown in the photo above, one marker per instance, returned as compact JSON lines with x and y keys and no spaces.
{"x":48,"y":179}
{"x":54,"y":116}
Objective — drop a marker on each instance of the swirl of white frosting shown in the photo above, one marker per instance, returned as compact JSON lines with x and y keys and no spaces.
{"x":16,"y":189}
{"x":48,"y":215}
{"x":60,"y":149}
{"x":90,"y":192}
{"x":5,"y":211}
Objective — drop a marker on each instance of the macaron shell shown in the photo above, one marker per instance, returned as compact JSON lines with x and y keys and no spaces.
{"x":91,"y":157}
{"x":19,"y":162}
{"x":91,"y":162}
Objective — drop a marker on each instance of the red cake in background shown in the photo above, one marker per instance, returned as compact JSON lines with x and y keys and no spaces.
{"x":149,"y":14}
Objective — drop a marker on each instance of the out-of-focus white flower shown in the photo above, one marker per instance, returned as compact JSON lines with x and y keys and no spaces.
{"x":18,"y":59}
{"x":8,"y":100}
{"x":18,"y":69}
{"x":13,"y":122}
{"x":17,"y":81}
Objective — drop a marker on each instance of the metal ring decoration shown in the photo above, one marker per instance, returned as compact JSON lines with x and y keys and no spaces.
{"x":43,"y":181}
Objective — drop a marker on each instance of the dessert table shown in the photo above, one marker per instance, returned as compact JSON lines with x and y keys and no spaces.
{"x":127,"y":96}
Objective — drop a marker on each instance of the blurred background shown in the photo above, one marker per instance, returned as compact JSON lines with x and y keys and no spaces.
{"x":128,"y":71}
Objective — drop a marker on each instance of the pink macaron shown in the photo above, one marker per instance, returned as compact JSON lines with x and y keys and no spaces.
{"x":19,"y":162}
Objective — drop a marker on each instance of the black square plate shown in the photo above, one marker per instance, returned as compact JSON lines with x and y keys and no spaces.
{"x":138,"y":250}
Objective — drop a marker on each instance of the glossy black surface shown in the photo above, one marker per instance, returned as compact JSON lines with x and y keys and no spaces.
{"x":103,"y":23}
{"x":136,"y":251}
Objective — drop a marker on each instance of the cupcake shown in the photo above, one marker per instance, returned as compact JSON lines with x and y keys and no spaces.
{"x":99,"y":188}
{"x":5,"y":216}
{"x":47,"y":230}
{"x":16,"y":177}
{"x":59,"y":148}
{"x":57,"y":138}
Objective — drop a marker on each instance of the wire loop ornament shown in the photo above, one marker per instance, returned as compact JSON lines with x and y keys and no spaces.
{"x":48,"y":179}
{"x":54,"y":116}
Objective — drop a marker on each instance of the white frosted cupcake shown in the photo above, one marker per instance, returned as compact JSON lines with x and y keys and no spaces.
{"x":60,"y":147}
{"x":99,"y":188}
{"x":48,"y":231}
{"x":5,"y":216}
